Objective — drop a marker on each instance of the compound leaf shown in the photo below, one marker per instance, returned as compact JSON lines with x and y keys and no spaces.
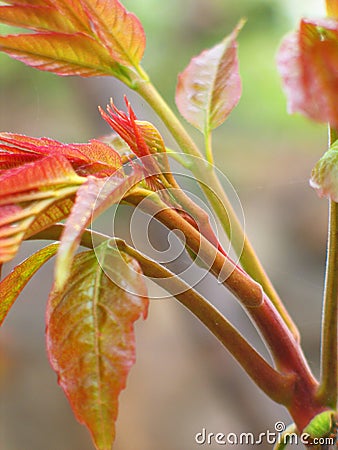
{"x":72,"y":37}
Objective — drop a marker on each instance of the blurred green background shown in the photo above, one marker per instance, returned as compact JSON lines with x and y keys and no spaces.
{"x":183,"y":380}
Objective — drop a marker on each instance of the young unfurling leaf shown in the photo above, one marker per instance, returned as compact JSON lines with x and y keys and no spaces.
{"x":210,"y":87}
{"x":90,"y":337}
{"x":325,"y":174}
{"x":86,"y":38}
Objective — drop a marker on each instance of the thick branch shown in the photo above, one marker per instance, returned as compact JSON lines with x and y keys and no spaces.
{"x":277,"y":386}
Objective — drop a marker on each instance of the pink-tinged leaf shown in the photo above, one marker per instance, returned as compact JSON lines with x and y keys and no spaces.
{"x":308,"y":64}
{"x":90,"y":338}
{"x":210,"y":87}
{"x":60,"y":53}
{"x":36,"y":17}
{"x":92,"y":199}
{"x":324,"y":177}
{"x":120,"y":31}
{"x":16,"y":280}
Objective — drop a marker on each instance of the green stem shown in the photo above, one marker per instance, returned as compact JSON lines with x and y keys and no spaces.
{"x":328,"y":389}
{"x":212,"y":188}
{"x":208,"y":147}
{"x":277,"y":386}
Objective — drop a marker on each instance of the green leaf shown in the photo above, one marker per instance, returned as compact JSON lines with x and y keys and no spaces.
{"x":13,"y":284}
{"x":90,"y":337}
{"x":92,"y":199}
{"x":210,"y":87}
{"x":321,"y":425}
{"x":324,"y":177}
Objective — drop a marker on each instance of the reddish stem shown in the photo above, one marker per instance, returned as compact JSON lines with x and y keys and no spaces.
{"x":286,"y":351}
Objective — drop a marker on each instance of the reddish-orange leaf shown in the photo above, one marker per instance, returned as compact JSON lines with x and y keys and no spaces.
{"x":308,"y":64}
{"x":36,"y":17}
{"x":44,"y":173}
{"x":28,"y":191}
{"x":332,"y":8}
{"x":89,"y":158}
{"x":120,"y":31}
{"x":102,"y":160}
{"x":58,"y":211}
{"x":10,"y":160}
{"x":13,"y":284}
{"x":92,"y":198}
{"x":60,"y":53}
{"x":86,"y":38}
{"x":90,"y":337}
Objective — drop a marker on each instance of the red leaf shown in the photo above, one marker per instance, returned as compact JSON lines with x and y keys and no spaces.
{"x":14,"y":283}
{"x":90,"y":338}
{"x":210,"y":87}
{"x":308,"y":64}
{"x":86,"y":37}
{"x":92,"y":198}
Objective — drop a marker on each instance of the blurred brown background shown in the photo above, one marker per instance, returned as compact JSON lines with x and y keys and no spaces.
{"x":183,"y":380}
